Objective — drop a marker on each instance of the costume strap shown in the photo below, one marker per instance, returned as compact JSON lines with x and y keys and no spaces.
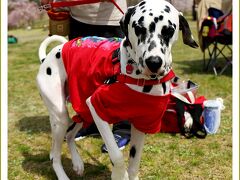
{"x":75,"y":3}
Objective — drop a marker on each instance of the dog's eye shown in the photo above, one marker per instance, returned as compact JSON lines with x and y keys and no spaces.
{"x":167,"y":33}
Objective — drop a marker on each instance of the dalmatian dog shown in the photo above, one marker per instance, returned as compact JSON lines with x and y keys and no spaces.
{"x":139,"y":91}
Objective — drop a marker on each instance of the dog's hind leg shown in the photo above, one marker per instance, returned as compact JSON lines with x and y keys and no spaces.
{"x":137,"y":142}
{"x":51,"y":80}
{"x":78,"y":165}
{"x":118,"y":170}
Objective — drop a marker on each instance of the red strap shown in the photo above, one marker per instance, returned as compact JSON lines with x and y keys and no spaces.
{"x":142,"y":82}
{"x":74,"y":3}
{"x":116,"y":5}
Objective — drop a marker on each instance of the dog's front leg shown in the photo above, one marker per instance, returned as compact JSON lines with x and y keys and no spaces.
{"x":137,"y":142}
{"x":119,"y":170}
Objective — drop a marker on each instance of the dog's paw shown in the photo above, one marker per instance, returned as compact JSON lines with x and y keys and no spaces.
{"x":188,"y":121}
{"x":78,"y":166}
{"x":119,"y":174}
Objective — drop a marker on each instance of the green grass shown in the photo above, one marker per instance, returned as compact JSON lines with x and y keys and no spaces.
{"x":164,"y":157}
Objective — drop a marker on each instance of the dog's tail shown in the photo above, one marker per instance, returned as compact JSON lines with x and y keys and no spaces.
{"x":43,"y":47}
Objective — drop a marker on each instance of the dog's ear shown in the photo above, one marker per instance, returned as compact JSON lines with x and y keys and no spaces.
{"x":186,"y":32}
{"x":126,"y":19}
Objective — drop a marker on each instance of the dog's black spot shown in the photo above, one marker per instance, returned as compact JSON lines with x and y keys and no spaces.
{"x":152,"y":45}
{"x":150,"y":14}
{"x":171,"y":24}
{"x":155,"y":19}
{"x":144,"y":53}
{"x":174,"y":25}
{"x":125,"y":21}
{"x":43,"y":60}
{"x":150,"y":9}
{"x":162,"y":42}
{"x":142,"y":3}
{"x":125,"y":43}
{"x":160,"y":17}
{"x":161,"y":39}
{"x":138,"y":72}
{"x":144,"y":11}
{"x":163,"y":50}
{"x":141,"y":32}
{"x":141,"y":61}
{"x":175,"y":79}
{"x":167,"y":33}
{"x":132,"y":151}
{"x":58,"y":55}
{"x":71,"y":127}
{"x":134,"y":24}
{"x":133,"y":12}
{"x":150,"y":38}
{"x":130,"y":61}
{"x":49,"y":71}
{"x":167,"y":9}
{"x":139,"y":29}
{"x":152,"y":27}
{"x":141,"y":8}
{"x":139,"y":41}
{"x":140,"y":21}
{"x":147,"y":89}
{"x":112,"y":163}
{"x":164,"y":87}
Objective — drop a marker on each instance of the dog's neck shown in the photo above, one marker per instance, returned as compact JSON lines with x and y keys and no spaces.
{"x":127,"y":56}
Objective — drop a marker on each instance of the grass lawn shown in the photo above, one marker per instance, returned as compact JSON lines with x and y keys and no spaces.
{"x":165,"y":156}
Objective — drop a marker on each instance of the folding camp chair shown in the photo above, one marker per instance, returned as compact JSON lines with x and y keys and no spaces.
{"x":216,"y":38}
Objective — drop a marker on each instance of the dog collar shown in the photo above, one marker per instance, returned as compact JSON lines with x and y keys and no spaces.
{"x":122,"y":78}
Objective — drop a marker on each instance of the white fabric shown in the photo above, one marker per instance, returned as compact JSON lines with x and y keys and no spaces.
{"x":184,"y":99}
{"x":104,"y":13}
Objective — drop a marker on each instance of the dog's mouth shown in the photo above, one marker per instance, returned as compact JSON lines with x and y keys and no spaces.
{"x":153,"y":76}
{"x":157,"y":76}
{"x":150,"y":75}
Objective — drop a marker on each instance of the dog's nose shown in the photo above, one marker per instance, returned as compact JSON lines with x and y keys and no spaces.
{"x":154,"y":63}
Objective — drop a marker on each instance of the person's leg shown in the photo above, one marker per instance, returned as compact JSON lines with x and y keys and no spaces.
{"x":109,"y":31}
{"x":79,"y":29}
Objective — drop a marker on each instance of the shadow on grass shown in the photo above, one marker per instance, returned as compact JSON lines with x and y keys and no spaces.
{"x":197,"y":66}
{"x":40,"y":165}
{"x":35,"y":124}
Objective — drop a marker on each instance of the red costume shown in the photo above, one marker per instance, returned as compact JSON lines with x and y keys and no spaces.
{"x":88,"y":63}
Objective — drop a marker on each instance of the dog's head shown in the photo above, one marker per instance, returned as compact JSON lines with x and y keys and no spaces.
{"x":151,"y":28}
